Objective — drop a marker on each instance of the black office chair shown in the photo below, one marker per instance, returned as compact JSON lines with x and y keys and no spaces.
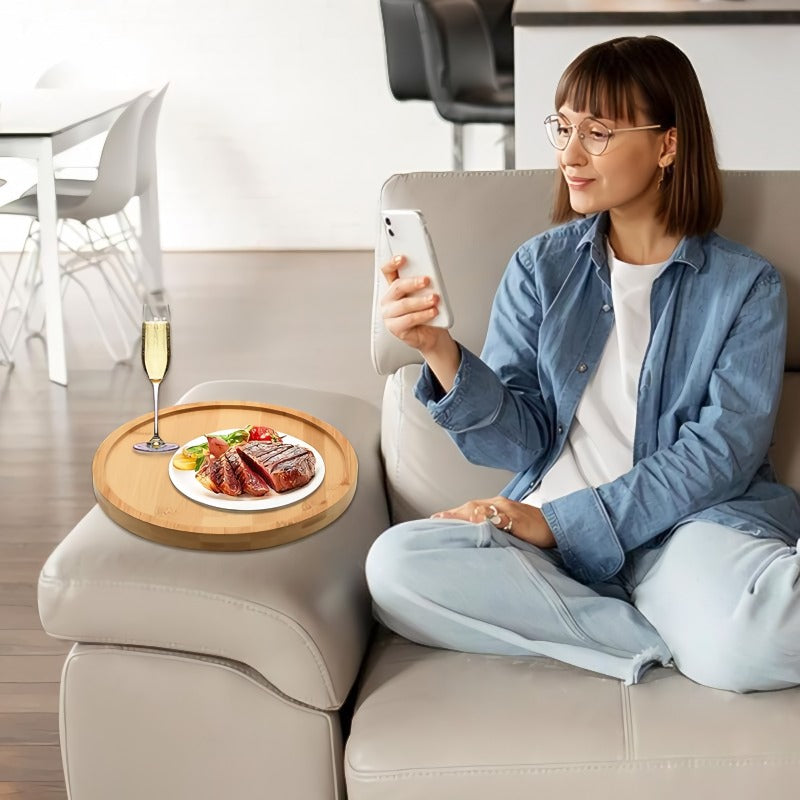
{"x":441,"y":50}
{"x":497,"y":14}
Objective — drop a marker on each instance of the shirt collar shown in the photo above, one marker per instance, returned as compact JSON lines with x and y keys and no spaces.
{"x":689,"y":250}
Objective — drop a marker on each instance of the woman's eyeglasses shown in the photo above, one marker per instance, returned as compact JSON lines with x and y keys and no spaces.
{"x":593,"y":135}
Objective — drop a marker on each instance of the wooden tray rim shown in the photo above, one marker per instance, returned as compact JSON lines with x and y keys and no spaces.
{"x":196,"y":536}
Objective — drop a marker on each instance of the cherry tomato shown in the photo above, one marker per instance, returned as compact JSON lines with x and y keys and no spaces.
{"x":263,"y":433}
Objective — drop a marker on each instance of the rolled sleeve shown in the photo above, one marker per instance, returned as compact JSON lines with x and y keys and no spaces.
{"x":585,"y":536}
{"x":473,"y":402}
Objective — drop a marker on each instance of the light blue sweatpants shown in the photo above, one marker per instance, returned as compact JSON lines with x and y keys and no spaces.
{"x":722,"y":605}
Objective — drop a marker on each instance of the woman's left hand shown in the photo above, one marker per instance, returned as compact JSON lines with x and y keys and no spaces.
{"x":519,"y":519}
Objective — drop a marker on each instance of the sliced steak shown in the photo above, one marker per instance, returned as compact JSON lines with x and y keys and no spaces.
{"x":293,"y":472}
{"x":252,"y":483}
{"x":223,"y":477}
{"x":204,"y":476}
{"x":283,"y":466}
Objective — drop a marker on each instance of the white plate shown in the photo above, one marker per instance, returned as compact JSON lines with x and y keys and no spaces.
{"x":186,"y":483}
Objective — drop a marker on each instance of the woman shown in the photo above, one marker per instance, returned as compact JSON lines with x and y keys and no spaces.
{"x":631,"y":376}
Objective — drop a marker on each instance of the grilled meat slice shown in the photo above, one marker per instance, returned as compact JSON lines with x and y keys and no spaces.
{"x":203,"y":475}
{"x":293,"y":470}
{"x":223,"y":477}
{"x":251,"y":483}
{"x":283,"y":466}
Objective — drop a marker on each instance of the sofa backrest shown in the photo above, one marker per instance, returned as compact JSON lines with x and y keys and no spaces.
{"x":476,"y":221}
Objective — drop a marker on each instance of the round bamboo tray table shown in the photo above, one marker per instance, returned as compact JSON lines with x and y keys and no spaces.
{"x":135,"y":490}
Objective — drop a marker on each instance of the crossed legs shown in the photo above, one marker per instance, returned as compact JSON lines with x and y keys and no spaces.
{"x":724,"y":605}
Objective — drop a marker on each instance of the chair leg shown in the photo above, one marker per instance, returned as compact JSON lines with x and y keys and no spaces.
{"x":33,"y":279}
{"x":100,"y":326}
{"x":98,"y":245}
{"x":144,"y":246}
{"x":12,"y":297}
{"x":458,"y":147}
{"x":129,"y":296}
{"x":509,"y":154}
{"x":24,"y":275}
{"x":127,"y":256}
{"x":95,"y":248}
{"x":5,"y":355}
{"x":133,"y":244}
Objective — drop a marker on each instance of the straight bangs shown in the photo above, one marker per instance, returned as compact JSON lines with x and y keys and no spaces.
{"x":599,"y":83}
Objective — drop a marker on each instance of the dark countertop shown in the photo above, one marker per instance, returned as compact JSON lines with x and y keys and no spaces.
{"x":568,"y":13}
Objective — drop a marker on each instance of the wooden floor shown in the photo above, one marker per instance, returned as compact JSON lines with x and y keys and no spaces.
{"x":296,"y":318}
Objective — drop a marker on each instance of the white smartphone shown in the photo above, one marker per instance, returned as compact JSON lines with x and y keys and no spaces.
{"x":408,"y":236}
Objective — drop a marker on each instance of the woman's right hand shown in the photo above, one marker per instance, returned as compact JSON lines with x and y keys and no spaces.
{"x":406,"y":314}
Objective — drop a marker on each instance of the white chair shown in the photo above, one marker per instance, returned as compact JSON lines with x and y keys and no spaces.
{"x":142,"y":242}
{"x":81,"y":160}
{"x":77,"y":161}
{"x":83,"y":214}
{"x":148,"y":237}
{"x":78,"y":164}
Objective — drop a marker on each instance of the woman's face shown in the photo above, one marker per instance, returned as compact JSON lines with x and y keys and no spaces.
{"x":624,"y":178}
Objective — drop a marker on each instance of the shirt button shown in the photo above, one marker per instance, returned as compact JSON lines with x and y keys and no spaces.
{"x":582,"y":367}
{"x":606,"y":307}
{"x":560,"y":429}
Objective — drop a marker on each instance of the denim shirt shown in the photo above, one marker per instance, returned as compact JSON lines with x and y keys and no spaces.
{"x":707,"y":400}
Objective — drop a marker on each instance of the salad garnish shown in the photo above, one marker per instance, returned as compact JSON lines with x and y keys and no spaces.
{"x":193,"y":457}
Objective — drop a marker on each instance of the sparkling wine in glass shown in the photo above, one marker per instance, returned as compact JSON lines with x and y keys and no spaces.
{"x":155,"y":360}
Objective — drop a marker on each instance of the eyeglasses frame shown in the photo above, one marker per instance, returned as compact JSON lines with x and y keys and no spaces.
{"x":574,"y":125}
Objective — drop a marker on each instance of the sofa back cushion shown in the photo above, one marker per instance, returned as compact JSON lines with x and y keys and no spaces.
{"x":476,"y":221}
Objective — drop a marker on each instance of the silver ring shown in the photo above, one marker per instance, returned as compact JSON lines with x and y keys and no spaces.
{"x":509,"y":526}
{"x":495,"y":518}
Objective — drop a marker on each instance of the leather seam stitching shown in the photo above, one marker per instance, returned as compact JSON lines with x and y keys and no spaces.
{"x":627,"y":725}
{"x":602,"y":767}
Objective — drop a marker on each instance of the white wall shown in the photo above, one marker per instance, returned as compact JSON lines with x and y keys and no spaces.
{"x":278,"y":128}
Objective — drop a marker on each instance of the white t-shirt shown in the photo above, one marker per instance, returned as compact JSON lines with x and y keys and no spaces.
{"x":599,"y":447}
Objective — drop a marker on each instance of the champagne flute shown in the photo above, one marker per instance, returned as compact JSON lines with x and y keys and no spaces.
{"x":155,"y":360}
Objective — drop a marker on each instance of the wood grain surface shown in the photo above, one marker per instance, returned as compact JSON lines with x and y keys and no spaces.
{"x":33,"y":790}
{"x":135,"y":490}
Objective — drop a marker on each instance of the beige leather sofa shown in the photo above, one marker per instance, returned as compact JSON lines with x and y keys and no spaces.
{"x":260,"y":675}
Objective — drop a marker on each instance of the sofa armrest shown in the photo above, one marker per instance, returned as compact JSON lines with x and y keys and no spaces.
{"x":297,"y":613}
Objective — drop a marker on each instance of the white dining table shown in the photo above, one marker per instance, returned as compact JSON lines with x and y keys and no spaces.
{"x":37,"y":124}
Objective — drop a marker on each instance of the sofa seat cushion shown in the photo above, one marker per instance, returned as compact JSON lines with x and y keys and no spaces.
{"x":435,"y":723}
{"x":298,"y":613}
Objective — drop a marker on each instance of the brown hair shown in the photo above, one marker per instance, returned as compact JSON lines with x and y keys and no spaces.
{"x":608,"y":78}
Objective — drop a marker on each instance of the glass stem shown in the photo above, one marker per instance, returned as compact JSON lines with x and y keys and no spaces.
{"x":155,"y":409}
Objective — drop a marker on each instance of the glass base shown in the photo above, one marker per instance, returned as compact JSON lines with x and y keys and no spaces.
{"x":159,"y":446}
